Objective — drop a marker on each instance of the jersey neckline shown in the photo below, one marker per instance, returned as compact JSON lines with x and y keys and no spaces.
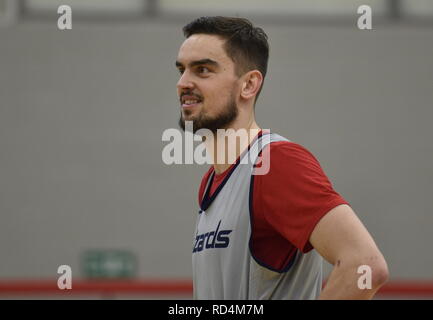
{"x":207,"y":200}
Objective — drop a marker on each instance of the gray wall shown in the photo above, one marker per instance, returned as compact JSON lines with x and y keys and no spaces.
{"x":82,"y":113}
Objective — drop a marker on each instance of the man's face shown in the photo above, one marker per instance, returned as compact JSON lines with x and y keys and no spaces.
{"x":208,"y":85}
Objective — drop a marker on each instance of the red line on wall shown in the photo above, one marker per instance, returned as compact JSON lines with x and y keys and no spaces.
{"x":409,"y":288}
{"x":163,"y":287}
{"x":166,"y":287}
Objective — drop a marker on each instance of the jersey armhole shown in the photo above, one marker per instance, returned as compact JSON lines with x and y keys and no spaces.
{"x":263,"y":264}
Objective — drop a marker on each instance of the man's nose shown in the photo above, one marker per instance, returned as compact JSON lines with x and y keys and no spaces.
{"x":184,"y":82}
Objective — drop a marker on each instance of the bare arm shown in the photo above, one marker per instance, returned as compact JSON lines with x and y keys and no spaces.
{"x":341,"y":238}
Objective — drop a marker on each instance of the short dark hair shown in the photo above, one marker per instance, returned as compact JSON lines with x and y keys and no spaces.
{"x":245,"y":44}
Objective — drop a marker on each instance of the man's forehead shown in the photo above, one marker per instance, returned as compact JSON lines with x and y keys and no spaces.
{"x":199,"y":46}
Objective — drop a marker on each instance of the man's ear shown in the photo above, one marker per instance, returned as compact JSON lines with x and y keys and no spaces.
{"x":251,"y":84}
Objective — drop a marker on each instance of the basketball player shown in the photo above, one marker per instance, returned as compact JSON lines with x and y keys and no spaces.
{"x":263,"y":236}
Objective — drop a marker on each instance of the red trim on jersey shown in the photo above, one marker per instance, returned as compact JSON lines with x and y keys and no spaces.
{"x":218,"y":178}
{"x":288,"y":202}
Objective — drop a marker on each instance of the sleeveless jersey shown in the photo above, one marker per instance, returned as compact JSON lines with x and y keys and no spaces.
{"x":224,"y":266}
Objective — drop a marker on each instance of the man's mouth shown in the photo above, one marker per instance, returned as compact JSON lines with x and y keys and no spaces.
{"x":190,"y":104}
{"x":190,"y":101}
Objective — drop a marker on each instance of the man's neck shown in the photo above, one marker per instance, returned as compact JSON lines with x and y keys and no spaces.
{"x":226,"y":147}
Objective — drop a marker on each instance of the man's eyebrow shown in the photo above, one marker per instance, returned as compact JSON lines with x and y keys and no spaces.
{"x":199,"y":62}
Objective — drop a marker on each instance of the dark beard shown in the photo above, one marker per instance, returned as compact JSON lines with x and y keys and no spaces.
{"x":221,"y":121}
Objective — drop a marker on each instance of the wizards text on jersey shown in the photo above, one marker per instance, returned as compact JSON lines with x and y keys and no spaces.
{"x":212,"y":239}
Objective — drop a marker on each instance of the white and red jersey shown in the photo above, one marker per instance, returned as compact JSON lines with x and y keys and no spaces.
{"x":275,"y":213}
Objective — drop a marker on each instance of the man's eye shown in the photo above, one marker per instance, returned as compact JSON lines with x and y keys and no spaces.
{"x":181,"y":71}
{"x":203,"y":70}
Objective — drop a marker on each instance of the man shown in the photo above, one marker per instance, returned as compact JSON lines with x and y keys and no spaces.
{"x":262,"y":236}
